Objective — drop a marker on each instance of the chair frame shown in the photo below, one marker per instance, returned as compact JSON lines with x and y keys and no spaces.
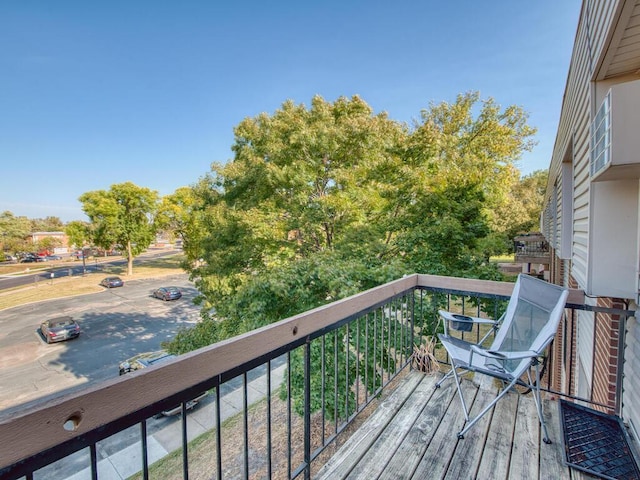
{"x":509,"y":379}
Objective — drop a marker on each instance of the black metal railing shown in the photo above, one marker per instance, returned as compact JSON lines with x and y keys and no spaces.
{"x":278,"y":397}
{"x":531,"y":246}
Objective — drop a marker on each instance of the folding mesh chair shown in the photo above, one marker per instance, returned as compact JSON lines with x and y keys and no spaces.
{"x":523,"y":333}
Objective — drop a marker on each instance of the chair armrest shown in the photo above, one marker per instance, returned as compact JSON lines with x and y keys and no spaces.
{"x":464,"y":322}
{"x":498,"y":355}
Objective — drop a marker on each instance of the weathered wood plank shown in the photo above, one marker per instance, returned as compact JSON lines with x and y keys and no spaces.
{"x":422,"y":443}
{"x":551,"y":456}
{"x":415,"y":443}
{"x":465,"y":460}
{"x":497,"y":453}
{"x":435,"y":461}
{"x":384,"y":448}
{"x":525,"y":453}
{"x":341,"y":464}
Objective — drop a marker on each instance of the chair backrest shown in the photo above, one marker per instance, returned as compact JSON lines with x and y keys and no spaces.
{"x":531,"y":319}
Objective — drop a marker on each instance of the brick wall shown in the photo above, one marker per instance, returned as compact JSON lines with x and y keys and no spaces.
{"x":563,"y":371}
{"x":605,"y":367}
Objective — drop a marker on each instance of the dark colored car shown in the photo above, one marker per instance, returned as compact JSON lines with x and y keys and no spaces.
{"x":167,"y":293}
{"x":10,"y":258}
{"x":111,"y":282}
{"x":149,"y":359}
{"x":59,"y":329}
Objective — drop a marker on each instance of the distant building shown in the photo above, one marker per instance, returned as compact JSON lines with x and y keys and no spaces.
{"x":62,"y":247}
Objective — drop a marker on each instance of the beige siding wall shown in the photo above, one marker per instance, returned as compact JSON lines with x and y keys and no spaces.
{"x":574,"y":131}
{"x":607,"y":46}
{"x":630,"y":403}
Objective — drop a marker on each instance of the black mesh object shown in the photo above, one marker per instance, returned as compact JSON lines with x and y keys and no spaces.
{"x":596,"y":443}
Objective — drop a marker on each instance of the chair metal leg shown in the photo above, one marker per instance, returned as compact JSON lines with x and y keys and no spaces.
{"x":488,"y":407}
{"x":464,"y":404}
{"x":538,"y":401}
{"x":445,"y":376}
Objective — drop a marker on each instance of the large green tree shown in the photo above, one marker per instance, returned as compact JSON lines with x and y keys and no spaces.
{"x":79,"y":233}
{"x":181,"y":214}
{"x":323,"y":201}
{"x":122,"y":216}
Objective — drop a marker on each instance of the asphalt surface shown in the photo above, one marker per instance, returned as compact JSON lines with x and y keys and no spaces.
{"x":115,"y":324}
{"x":41,"y":272}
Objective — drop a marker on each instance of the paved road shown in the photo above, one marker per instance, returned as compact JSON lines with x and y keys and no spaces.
{"x":42,"y":271}
{"x":116,"y":324}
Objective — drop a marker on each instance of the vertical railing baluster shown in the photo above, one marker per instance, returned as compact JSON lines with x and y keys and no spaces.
{"x":395,"y":334}
{"x":335,"y":380}
{"x":245,"y":420}
{"x":269,"y":446}
{"x":145,"y":454}
{"x":346,"y":374}
{"x":622,"y":332}
{"x":384,"y":382}
{"x":218,"y":435}
{"x":374,"y":366}
{"x":478,"y":311}
{"x":289,"y":414}
{"x":323,"y":385}
{"x":93,"y":455}
{"x":422,"y":321}
{"x":307,"y":410}
{"x":573,"y":328}
{"x":357,"y":379}
{"x":185,"y":454}
{"x":366,"y":359}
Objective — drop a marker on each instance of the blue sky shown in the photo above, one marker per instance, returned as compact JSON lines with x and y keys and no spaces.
{"x":98,"y":93}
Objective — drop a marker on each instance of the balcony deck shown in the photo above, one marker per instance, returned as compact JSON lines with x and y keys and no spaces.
{"x":412,"y":435}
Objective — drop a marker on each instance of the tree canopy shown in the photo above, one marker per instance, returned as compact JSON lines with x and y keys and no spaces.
{"x":122,"y":216}
{"x":325,"y":200}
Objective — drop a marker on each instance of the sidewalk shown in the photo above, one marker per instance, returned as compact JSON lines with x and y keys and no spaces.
{"x":122,"y":464}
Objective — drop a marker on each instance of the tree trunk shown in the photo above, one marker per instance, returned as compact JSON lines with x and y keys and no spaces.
{"x":129,"y":259}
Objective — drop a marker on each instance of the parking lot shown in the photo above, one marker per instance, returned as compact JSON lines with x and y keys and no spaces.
{"x":115,"y":325}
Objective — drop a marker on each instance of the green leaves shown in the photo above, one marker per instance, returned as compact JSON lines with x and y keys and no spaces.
{"x":122,"y":216}
{"x":325,"y":201}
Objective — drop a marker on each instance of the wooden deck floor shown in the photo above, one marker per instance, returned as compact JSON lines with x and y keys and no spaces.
{"x":412,"y":435}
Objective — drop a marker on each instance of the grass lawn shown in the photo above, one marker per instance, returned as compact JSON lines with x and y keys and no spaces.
{"x":82,"y":284}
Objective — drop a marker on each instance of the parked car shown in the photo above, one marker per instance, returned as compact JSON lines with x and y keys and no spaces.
{"x":53,"y":257}
{"x":111,"y":282}
{"x":167,"y":293}
{"x":28,"y":259}
{"x":59,"y":329}
{"x":149,"y":359}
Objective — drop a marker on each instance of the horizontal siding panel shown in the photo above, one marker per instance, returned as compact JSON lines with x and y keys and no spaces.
{"x":631,"y":37}
{"x":635,"y":16}
{"x":626,"y":56}
{"x":629,"y":45}
{"x":632,"y":32}
{"x":631,"y":387}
